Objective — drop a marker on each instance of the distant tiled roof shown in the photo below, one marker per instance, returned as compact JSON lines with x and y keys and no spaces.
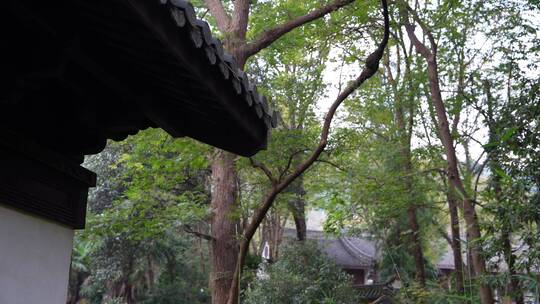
{"x":375,"y":291}
{"x":357,"y":252}
{"x":347,"y":252}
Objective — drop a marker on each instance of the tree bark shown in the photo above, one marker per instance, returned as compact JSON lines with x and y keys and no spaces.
{"x":456,"y":238}
{"x":223,"y":246}
{"x":370,"y":68}
{"x":297,"y":205}
{"x":451,"y":193}
{"x":300,"y":219}
{"x":406,"y":167}
{"x":150,"y":275}
{"x":412,"y":218}
{"x":75,"y":296}
{"x":513,"y":288}
{"x":469,"y":212}
{"x":223,"y":20}
{"x":416,"y":246}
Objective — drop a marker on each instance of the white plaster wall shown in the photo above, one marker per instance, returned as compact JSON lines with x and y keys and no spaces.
{"x":34,"y":259}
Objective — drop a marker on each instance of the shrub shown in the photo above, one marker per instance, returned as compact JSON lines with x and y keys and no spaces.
{"x":303,"y":274}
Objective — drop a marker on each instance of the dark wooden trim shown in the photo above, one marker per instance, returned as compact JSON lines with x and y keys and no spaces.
{"x":43,"y":183}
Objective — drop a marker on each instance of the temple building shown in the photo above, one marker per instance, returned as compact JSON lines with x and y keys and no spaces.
{"x":78,"y":73}
{"x":359,"y":256}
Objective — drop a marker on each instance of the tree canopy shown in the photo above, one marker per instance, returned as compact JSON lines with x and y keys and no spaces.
{"x":435,"y":149}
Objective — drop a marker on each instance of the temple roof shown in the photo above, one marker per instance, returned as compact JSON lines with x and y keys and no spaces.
{"x":347,"y":252}
{"x":383,"y":292}
{"x":359,"y":252}
{"x":81,"y":72}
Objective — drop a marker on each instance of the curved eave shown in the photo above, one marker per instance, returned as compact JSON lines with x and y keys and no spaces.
{"x":84,"y":71}
{"x":190,"y":41}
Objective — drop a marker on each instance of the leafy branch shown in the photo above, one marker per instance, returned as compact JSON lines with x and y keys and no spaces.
{"x":370,"y":68}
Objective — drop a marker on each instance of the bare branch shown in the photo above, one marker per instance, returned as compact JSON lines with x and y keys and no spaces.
{"x":409,"y":27}
{"x":371,"y":67}
{"x":204,"y":14}
{"x":271,"y":35}
{"x":425,"y":29}
{"x":205,"y":236}
{"x":289,"y":162}
{"x":420,"y":47}
{"x":223,"y":20}
{"x":332,"y":164}
{"x":477,"y":180}
{"x":263,"y":168}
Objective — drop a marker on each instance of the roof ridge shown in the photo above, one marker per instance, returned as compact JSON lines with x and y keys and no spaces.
{"x":354,"y":250}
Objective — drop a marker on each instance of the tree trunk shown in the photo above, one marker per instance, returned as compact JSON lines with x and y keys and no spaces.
{"x":470,"y":266}
{"x":75,"y":297}
{"x":407,"y":168}
{"x":272,"y":233}
{"x":469,"y":212}
{"x":297,"y":205}
{"x":300,"y":219}
{"x":171,"y":268}
{"x":412,"y":217}
{"x":150,"y":275}
{"x":416,"y":247}
{"x":456,"y":238}
{"x":223,"y":246}
{"x":513,"y":290}
{"x":129,"y":293}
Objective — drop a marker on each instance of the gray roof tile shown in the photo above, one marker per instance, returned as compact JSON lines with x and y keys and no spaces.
{"x":201,"y":36}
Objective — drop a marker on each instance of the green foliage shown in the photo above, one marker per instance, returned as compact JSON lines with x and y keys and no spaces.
{"x":154,"y":183}
{"x":177,"y":293}
{"x":397,"y":263}
{"x":413,"y":294}
{"x":434,"y":295}
{"x":151,"y":186}
{"x":303,"y":274}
